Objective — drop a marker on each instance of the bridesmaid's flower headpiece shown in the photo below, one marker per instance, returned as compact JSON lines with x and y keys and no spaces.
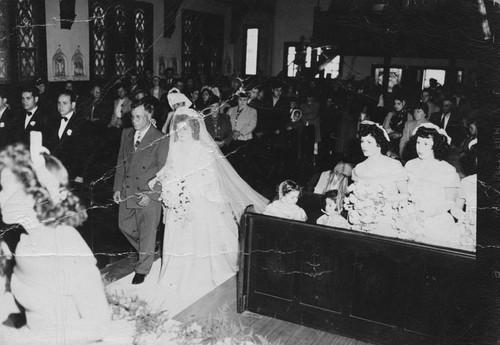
{"x":371,"y":123}
{"x":437,"y":128}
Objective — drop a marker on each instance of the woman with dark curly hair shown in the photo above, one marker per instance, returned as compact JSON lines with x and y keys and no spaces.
{"x":433,"y":185}
{"x":55,"y":278}
{"x":379,"y":176}
{"x":395,"y":121}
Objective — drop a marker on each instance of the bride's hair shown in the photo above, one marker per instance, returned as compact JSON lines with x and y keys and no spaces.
{"x":191,"y":121}
{"x":440,"y":145}
{"x":68,"y":211}
{"x":377,"y":134}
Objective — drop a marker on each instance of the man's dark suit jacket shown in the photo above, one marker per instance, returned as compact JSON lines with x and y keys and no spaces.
{"x":7,"y":122}
{"x":273,"y":117}
{"x":37,"y":123}
{"x":455,"y":128}
{"x":135,"y":168}
{"x":74,"y":146}
{"x":103,"y":109}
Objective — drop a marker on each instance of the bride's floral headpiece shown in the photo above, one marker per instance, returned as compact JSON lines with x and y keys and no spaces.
{"x":187,"y":111}
{"x":437,"y":128}
{"x":371,"y":123}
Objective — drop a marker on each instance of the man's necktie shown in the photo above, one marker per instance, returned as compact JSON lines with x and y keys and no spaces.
{"x":64,"y":119}
{"x":137,"y":141}
{"x":443,"y":118}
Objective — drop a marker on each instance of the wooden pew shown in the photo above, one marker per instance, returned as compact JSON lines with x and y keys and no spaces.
{"x":368,"y":287}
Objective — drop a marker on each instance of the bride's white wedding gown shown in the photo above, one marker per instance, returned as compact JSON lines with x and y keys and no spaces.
{"x":204,"y":199}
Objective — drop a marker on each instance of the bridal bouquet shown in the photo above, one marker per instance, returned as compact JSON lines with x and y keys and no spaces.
{"x":155,"y":328}
{"x":365,"y":203}
{"x":175,"y":196}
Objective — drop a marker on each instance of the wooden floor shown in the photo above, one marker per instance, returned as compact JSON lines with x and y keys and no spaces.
{"x":225,"y":297}
{"x":273,"y":329}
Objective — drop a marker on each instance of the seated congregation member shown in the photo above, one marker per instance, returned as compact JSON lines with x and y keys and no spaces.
{"x":218,"y":125}
{"x":243,"y":120}
{"x":55,"y":279}
{"x":420,"y":113}
{"x":285,"y":205}
{"x":449,"y":120}
{"x":433,"y":185}
{"x":121,"y":109}
{"x":7,"y":117}
{"x":336,"y":179}
{"x":68,"y":137}
{"x":205,"y":99}
{"x":332,"y":205}
{"x":157,"y":91}
{"x":294,"y":130}
{"x":95,"y":107}
{"x":31,"y":118}
{"x":311,"y":134}
{"x":395,"y":121}
{"x":380,"y":183}
{"x":425,"y":97}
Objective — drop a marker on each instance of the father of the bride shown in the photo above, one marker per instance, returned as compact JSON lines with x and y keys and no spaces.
{"x":143,"y":152}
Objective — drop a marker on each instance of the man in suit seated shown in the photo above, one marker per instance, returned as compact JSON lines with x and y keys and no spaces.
{"x":143,"y":152}
{"x":450,"y":121}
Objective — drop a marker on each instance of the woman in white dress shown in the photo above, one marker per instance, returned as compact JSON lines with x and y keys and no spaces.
{"x":380,"y":184}
{"x":433,"y":185}
{"x":204,"y":199}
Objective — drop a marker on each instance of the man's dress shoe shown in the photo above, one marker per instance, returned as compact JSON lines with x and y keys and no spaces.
{"x":138,"y":278}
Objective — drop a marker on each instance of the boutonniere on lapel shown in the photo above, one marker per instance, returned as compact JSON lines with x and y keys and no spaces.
{"x":32,"y":123}
{"x":69,"y":132}
{"x":2,"y":124}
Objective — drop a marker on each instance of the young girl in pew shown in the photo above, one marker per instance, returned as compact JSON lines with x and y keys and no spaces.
{"x":332,"y":205}
{"x":285,"y":206}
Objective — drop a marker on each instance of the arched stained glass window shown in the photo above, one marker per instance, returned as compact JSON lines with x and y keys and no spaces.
{"x":26,"y":47}
{"x":99,"y":41}
{"x":139,"y":41}
{"x":4,"y":44}
{"x":120,"y":22}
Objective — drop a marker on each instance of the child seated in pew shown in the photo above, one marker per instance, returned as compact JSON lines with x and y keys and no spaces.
{"x":285,"y":205}
{"x":332,"y":205}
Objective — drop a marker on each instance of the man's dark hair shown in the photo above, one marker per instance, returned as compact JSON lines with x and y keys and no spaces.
{"x":71,"y":95}
{"x":31,"y":89}
{"x":149,"y":103}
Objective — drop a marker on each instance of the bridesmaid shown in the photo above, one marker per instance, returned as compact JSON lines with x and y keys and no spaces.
{"x":379,"y":172}
{"x":433,"y":185}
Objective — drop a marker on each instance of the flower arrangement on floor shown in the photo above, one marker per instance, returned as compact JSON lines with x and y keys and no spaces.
{"x":157,"y":328}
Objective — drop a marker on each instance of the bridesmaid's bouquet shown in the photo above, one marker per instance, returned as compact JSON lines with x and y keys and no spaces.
{"x":365,"y":203}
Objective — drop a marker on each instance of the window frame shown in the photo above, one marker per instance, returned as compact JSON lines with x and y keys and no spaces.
{"x":245,"y":48}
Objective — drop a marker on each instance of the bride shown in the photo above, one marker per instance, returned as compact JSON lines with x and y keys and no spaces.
{"x":203,"y":200}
